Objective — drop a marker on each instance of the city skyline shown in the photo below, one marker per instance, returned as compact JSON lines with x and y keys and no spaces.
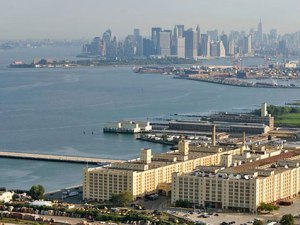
{"x":78,"y":20}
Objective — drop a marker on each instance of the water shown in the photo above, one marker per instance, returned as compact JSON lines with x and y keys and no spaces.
{"x":47,"y":110}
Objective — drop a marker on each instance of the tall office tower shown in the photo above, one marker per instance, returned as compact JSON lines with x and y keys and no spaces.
{"x":180,"y":47}
{"x":198,"y":40}
{"x":164,"y":43}
{"x":175,"y":32}
{"x":225,"y":41}
{"x":205,"y":45}
{"x":139,"y":46}
{"x":111,"y":51}
{"x":174,"y":40}
{"x":138,"y":39}
{"x":95,"y":46}
{"x":282,"y":48}
{"x":129,"y":47}
{"x":147,"y":47}
{"x":190,"y":43}
{"x":178,"y":42}
{"x":260,"y":33}
{"x":247,"y":45}
{"x":273,"y":37}
{"x":221,"y":49}
{"x":231,"y":47}
{"x":180,"y":29}
{"x":136,"y":32}
{"x":214,"y":49}
{"x":214,"y":35}
{"x":155,"y":39}
{"x":107,"y":36}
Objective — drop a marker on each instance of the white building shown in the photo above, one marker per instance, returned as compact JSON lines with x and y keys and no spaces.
{"x":6,"y":196}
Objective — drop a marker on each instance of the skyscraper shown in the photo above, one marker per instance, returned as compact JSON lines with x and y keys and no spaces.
{"x":154,"y":37}
{"x":231,"y":47}
{"x":214,"y":35}
{"x":190,"y":43}
{"x":180,"y":29}
{"x":164,"y":43}
{"x":147,"y":47}
{"x":180,"y":47}
{"x":198,"y":39}
{"x":138,"y":42}
{"x":225,"y":41}
{"x":260,"y":32}
{"x":205,"y":45}
{"x":221,"y":49}
{"x":247,"y":45}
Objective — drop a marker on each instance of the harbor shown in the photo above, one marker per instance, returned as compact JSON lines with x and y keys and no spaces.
{"x":281,"y":75}
{"x":56,"y":158}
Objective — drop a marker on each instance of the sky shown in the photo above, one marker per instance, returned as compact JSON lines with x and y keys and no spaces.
{"x":36,"y":19}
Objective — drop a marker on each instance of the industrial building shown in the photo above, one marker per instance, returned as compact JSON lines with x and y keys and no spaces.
{"x":241,"y":182}
{"x":264,"y":118}
{"x":127,"y":127}
{"x":150,"y":173}
{"x":229,"y":127}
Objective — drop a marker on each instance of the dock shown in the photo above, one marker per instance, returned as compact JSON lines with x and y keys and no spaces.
{"x":56,"y":158}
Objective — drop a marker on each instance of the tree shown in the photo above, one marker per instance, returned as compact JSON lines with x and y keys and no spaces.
{"x":183,"y":203}
{"x":258,"y":222}
{"x":121,"y":199}
{"x":267,"y":207}
{"x":287,"y":220}
{"x":37,"y":192}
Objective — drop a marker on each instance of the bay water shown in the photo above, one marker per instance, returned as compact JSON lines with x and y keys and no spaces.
{"x":48,"y":111}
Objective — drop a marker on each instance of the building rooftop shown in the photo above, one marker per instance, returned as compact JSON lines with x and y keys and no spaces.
{"x":263,"y":162}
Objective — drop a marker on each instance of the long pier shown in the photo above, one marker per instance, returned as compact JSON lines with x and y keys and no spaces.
{"x":56,"y":158}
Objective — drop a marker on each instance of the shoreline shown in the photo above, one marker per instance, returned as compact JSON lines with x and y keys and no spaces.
{"x":236,"y":85}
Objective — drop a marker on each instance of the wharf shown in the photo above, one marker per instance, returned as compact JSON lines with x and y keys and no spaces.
{"x":56,"y":158}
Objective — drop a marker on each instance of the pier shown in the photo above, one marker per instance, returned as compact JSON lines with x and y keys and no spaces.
{"x":56,"y":158}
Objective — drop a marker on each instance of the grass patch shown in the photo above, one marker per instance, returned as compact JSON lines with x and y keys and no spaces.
{"x":289,"y":119}
{"x":17,"y":221}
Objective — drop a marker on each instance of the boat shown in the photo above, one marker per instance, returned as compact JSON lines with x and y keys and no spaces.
{"x":103,"y":164}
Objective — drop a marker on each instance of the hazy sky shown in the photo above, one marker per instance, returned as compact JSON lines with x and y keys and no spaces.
{"x":88,"y":18}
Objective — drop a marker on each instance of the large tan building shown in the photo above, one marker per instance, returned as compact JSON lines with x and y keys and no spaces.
{"x":150,"y":173}
{"x":241,"y":187}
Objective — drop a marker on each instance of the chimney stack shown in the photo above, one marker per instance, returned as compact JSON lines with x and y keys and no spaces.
{"x":213,"y":136}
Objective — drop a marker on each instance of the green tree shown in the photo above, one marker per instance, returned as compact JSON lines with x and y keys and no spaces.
{"x":37,"y":192}
{"x":267,"y":207}
{"x":183,"y":203}
{"x":121,"y":199}
{"x":287,"y":220}
{"x":258,"y":222}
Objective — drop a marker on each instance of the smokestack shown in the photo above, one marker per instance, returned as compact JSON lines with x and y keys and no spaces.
{"x":244,"y":138}
{"x":213,"y":136}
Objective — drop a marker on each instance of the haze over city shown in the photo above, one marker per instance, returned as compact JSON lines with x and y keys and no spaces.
{"x":76,"y":19}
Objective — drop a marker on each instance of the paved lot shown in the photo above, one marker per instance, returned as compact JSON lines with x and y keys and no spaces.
{"x":241,"y":218}
{"x":57,"y":195}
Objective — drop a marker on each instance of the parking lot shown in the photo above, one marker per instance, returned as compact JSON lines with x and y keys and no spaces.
{"x":217,"y":218}
{"x":58,"y":195}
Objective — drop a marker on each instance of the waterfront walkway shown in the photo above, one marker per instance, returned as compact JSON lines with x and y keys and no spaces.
{"x":57,"y":158}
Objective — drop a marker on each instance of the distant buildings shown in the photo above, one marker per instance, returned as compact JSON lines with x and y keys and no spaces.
{"x":189,"y":43}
